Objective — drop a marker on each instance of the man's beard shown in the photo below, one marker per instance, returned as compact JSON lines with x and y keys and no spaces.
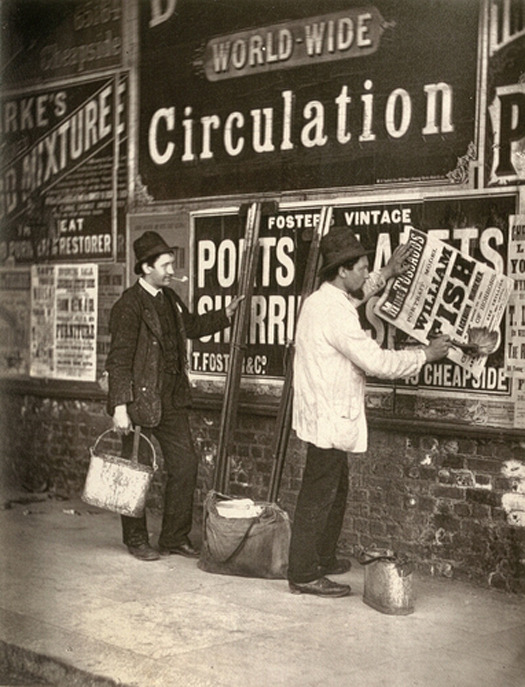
{"x":358,"y":294}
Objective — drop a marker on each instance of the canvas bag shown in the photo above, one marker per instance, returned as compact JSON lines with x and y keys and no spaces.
{"x":251,"y":547}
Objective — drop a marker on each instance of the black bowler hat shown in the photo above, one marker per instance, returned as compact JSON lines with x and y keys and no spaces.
{"x":339,"y":246}
{"x":148,"y":246}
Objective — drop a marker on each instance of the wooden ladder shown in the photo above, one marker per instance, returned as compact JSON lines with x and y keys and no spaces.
{"x":237,"y":348}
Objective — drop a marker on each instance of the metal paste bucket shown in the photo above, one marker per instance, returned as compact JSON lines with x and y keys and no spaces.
{"x":388,"y":584}
{"x":117,"y":484}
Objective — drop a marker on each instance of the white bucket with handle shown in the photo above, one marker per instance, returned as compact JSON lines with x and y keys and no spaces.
{"x":117,"y":484}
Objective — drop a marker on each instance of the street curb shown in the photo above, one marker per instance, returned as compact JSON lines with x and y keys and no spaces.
{"x":51,"y":670}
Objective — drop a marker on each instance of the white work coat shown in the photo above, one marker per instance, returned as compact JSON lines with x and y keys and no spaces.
{"x":332,"y":356}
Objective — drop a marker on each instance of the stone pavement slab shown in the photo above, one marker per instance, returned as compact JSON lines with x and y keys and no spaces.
{"x":77,"y":609}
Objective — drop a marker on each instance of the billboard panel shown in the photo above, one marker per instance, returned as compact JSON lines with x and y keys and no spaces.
{"x":246,"y":98}
{"x":477,"y":230}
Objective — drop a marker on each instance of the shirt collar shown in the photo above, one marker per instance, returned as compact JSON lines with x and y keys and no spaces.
{"x":148,"y":287}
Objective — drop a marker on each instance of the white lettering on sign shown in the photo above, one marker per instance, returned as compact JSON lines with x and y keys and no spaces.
{"x":96,"y":13}
{"x":161,"y":11}
{"x":300,"y":220}
{"x":378,"y":216}
{"x":351,"y":33}
{"x":272,"y":318}
{"x":66,"y":144}
{"x":31,"y":113}
{"x":207,"y":361}
{"x":223,"y":261}
{"x":259,"y":131}
{"x":507,"y":114}
{"x":82,"y":57}
{"x":449,"y":376}
{"x":70,"y":225}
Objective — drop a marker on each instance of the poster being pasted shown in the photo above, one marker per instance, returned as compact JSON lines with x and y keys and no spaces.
{"x":445,"y":291}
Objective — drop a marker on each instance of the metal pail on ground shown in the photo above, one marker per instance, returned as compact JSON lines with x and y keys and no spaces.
{"x":388,"y":582}
{"x":117,"y":484}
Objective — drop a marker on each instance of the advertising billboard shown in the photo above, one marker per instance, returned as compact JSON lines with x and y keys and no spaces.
{"x":474,"y":230}
{"x":323,"y":95}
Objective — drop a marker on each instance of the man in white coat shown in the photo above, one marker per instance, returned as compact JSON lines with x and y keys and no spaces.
{"x":333,"y":354}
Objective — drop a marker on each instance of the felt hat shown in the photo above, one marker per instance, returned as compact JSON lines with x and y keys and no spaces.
{"x":338,"y":246}
{"x":148,"y":246}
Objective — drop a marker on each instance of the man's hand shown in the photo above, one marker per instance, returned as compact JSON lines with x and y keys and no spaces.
{"x":398,"y":263}
{"x":121,"y":420}
{"x":437,"y":348}
{"x":233,"y":305}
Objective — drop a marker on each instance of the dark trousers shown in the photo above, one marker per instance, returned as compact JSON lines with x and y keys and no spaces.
{"x":319,"y":513}
{"x":181,"y":464}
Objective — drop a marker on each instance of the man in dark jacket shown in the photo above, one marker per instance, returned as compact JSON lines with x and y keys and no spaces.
{"x":149,"y":386}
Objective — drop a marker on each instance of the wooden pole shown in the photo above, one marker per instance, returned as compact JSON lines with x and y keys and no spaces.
{"x":284,"y":414}
{"x":237,"y":348}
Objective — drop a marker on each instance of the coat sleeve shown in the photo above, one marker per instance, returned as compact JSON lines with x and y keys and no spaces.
{"x":349,"y":338}
{"x":124,"y":323}
{"x":210,"y":322}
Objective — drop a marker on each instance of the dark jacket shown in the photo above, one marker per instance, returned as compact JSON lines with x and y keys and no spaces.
{"x":135,"y":360}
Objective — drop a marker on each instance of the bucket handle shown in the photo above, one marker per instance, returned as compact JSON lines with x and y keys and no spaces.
{"x":363,"y":560}
{"x":135,"y":450}
{"x":403,"y":566}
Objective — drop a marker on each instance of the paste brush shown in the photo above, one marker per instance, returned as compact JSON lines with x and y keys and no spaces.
{"x":481,"y":341}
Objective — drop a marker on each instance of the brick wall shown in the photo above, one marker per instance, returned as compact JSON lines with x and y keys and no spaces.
{"x":437,"y":498}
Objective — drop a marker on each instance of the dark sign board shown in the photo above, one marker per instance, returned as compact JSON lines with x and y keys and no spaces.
{"x":253,"y":97}
{"x":477,"y":227}
{"x":63,"y":179}
{"x":57,"y":39}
